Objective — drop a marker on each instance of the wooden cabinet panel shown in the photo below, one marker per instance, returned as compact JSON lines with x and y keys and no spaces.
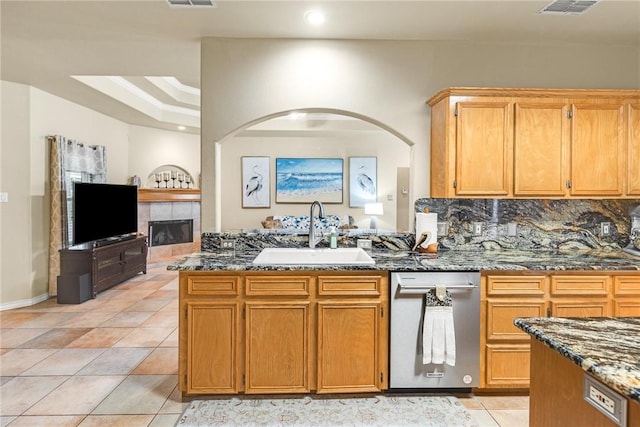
{"x":278,"y":285}
{"x":597,"y":149}
{"x":626,"y":307}
{"x":580,"y":285}
{"x":212,"y":347}
{"x":541,"y":138}
{"x":348,"y":347}
{"x":626,"y":286}
{"x":213,"y":285}
{"x":501,"y":314}
{"x":633,"y":156}
{"x":570,"y":307}
{"x":368,"y":285}
{"x":277,"y":347}
{"x":626,"y":293}
{"x":531,"y":286}
{"x":483,"y":148}
{"x":507,"y":365}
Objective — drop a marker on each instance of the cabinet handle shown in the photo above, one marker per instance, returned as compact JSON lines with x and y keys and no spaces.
{"x":548,"y":312}
{"x":569,"y":183}
{"x":455,"y":184}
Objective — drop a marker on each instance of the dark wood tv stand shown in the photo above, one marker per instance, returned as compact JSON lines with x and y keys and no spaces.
{"x":107,"y":265}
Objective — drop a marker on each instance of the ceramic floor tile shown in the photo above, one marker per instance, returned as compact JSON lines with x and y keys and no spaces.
{"x":168,"y":420}
{"x":14,"y":362}
{"x":172,"y":306}
{"x":4,"y":380}
{"x":11,"y":338}
{"x":55,"y":338}
{"x":504,"y":402}
{"x":470,"y":402}
{"x":116,"y":361}
{"x":511,"y":417}
{"x":160,"y":361}
{"x":16,"y":319}
{"x":138,"y":394}
{"x":171,"y":340}
{"x":129,"y":319}
{"x":153,"y":304}
{"x":162,"y":319}
{"x":116,"y":421}
{"x":48,"y":421}
{"x":77,"y":396}
{"x":100,"y":338}
{"x":21,"y":393}
{"x":145,"y":337}
{"x":484,"y":419}
{"x":64,"y":362}
{"x":176,"y":403}
{"x":87,"y":320}
{"x":48,"y":320}
{"x":162,"y":294}
{"x":5,"y":421}
{"x":132,"y":295}
{"x":107,"y":306}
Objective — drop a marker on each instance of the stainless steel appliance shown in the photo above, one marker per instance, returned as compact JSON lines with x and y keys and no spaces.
{"x":406,"y":368}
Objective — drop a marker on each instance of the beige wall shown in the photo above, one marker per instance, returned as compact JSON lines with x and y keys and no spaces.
{"x":244,"y":80}
{"x":390,"y":151}
{"x":28,"y":116}
{"x":151,"y":148}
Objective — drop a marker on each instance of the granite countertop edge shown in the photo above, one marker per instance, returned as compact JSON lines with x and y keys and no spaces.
{"x":221,"y":260}
{"x":571,"y":338}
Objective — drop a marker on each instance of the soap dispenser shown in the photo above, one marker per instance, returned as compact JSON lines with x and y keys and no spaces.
{"x":333,"y":238}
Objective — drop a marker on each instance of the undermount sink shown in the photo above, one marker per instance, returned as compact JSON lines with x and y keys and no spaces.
{"x":305,"y":256}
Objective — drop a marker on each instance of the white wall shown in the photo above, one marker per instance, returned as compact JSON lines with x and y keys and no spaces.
{"x":390,"y":151}
{"x":244,"y":80}
{"x":151,"y":148}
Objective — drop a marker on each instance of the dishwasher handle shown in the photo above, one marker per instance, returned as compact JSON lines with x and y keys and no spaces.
{"x":414,"y":289}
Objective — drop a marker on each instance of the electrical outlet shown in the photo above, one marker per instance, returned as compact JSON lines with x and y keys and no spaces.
{"x":228,"y":244}
{"x":4,"y":197}
{"x":605,"y":228}
{"x":443,"y":228}
{"x":512,"y":229}
{"x":364,"y":244}
{"x":476,"y":227}
{"x":602,"y":400}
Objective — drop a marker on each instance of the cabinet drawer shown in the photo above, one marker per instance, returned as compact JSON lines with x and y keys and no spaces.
{"x":516,"y":285}
{"x":349,"y":285}
{"x":278,"y":285}
{"x":213,"y":285}
{"x":500,"y":315}
{"x":626,"y":308}
{"x":580,"y":308}
{"x":626,"y":285}
{"x":580,"y":285}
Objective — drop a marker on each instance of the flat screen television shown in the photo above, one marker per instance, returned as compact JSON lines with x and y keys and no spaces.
{"x":104,"y":212}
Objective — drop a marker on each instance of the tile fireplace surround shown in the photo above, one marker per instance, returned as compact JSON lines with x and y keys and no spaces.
{"x":164,"y":205}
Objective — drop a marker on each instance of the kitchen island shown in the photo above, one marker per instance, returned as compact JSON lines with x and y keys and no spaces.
{"x":564,"y":351}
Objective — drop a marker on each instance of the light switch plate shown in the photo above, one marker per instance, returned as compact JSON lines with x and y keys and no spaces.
{"x":4,"y":197}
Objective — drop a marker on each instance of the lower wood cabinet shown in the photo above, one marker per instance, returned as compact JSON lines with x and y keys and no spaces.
{"x":283,"y":332}
{"x":505,"y":360}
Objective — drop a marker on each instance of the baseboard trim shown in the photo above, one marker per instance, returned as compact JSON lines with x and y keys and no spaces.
{"x":24,"y":302}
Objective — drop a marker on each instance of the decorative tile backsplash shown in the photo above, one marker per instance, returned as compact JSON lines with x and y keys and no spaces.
{"x":532,"y":224}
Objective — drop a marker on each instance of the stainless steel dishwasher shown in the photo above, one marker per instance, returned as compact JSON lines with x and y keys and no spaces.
{"x":406,"y":368}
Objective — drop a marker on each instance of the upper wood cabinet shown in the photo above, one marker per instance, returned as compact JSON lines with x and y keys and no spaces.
{"x":535,"y":143}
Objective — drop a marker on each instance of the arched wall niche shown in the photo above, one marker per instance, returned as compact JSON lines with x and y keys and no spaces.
{"x":314,"y":133}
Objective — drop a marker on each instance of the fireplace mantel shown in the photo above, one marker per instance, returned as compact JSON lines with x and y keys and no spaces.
{"x":168,"y":195}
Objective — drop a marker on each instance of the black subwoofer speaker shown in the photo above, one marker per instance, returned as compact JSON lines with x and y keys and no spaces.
{"x":74,"y":289}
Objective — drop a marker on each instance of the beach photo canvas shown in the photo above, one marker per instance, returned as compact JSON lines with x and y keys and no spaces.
{"x":303,"y":180}
{"x":255,"y":182}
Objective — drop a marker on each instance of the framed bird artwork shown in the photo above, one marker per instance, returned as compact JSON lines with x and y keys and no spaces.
{"x":255,"y":182}
{"x":363,"y":181}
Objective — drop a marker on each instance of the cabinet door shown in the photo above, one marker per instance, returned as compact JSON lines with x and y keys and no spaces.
{"x":277,"y":348}
{"x":500,"y":316}
{"x":633,"y":157}
{"x":626,"y":294}
{"x":508,"y":365}
{"x":541,"y":137}
{"x":483,"y":148}
{"x":349,"y":344}
{"x":213,"y":340}
{"x":134,"y":258}
{"x":597,"y":149}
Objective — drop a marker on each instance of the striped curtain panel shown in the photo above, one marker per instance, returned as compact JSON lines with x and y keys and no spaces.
{"x":70,"y":161}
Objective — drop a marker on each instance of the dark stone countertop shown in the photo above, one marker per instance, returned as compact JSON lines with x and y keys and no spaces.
{"x":607,"y":348}
{"x":445,"y":260}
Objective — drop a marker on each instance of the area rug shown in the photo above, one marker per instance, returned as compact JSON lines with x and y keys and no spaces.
{"x":383,"y":410}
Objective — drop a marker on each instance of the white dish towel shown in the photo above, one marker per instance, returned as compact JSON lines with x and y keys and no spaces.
{"x":438,"y":333}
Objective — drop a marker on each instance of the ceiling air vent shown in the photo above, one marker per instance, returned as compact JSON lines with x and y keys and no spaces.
{"x":567,"y":7}
{"x":194,"y":3}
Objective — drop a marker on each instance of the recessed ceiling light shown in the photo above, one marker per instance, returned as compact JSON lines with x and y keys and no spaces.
{"x":314,"y":17}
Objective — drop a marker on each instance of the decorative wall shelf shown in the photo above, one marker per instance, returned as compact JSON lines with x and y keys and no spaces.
{"x":146,"y":195}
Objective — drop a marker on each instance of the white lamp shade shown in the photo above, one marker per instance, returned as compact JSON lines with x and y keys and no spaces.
{"x":373,"y":209}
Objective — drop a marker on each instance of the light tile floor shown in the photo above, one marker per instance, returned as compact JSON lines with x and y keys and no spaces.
{"x":112,"y":361}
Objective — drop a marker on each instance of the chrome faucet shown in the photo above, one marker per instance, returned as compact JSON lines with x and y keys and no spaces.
{"x":312,"y":224}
